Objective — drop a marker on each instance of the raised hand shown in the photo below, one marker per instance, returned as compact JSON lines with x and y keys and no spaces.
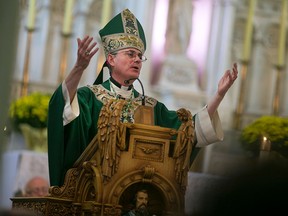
{"x":223,"y":86}
{"x":227,"y":80}
{"x":86,"y":50}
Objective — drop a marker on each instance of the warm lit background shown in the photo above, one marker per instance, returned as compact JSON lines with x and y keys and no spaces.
{"x":190,"y":44}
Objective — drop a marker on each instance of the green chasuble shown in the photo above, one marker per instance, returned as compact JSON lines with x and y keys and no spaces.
{"x":66,"y":143}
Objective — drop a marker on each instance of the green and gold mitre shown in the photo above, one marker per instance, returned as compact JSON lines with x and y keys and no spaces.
{"x":123,"y":31}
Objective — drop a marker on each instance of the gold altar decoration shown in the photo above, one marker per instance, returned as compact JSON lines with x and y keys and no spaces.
{"x":248,"y":31}
{"x":240,"y":104}
{"x":280,"y":66}
{"x":276,"y":98}
{"x":68,"y":14}
{"x":63,"y":60}
{"x":66,"y":35}
{"x":136,"y":154}
{"x":246,"y":55}
{"x":282,"y":34}
{"x":30,"y":27}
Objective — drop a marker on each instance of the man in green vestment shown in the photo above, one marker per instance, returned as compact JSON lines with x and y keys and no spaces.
{"x":74,"y":112}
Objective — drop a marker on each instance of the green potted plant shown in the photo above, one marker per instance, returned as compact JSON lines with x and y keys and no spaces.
{"x":29,"y":115}
{"x":274,"y":128}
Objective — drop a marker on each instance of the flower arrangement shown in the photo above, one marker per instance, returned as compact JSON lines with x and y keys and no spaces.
{"x":273,"y":127}
{"x":31,"y":109}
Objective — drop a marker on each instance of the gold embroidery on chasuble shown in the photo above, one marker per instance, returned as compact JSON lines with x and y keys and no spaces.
{"x":111,"y":130}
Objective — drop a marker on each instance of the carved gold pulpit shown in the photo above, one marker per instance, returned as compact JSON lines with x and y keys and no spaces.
{"x":103,"y":181}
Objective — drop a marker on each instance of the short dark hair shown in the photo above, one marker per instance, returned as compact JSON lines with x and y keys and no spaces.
{"x":135,"y":197}
{"x":142,"y":190}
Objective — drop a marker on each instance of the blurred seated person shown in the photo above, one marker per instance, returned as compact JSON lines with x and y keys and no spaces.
{"x":36,"y":187}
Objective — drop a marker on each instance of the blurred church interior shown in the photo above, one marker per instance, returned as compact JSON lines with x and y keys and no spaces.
{"x":190,"y":44}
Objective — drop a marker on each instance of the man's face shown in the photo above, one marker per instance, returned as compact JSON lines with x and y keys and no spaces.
{"x":37,"y":187}
{"x":126,"y":64}
{"x":141,"y":200}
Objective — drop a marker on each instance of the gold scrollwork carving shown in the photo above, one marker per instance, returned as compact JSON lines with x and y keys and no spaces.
{"x":148,"y":173}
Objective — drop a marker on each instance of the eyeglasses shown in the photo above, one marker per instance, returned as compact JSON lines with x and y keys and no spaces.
{"x":132,"y":55}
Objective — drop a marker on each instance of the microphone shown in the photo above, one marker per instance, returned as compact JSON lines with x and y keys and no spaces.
{"x":143,"y":95}
{"x":128,"y":81}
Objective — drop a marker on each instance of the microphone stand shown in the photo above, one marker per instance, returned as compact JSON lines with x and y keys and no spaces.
{"x":143,"y":114}
{"x":143,"y":95}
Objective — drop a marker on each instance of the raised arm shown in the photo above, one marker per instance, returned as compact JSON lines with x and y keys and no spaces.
{"x":223,"y":86}
{"x":86,"y":50}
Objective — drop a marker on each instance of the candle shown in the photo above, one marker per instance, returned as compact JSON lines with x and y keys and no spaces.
{"x":31,"y":15}
{"x":248,"y":31}
{"x":68,"y":17}
{"x":106,"y":10}
{"x":265,"y":144}
{"x":282,"y":34}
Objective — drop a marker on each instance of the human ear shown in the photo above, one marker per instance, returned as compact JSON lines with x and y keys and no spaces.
{"x":110,"y":59}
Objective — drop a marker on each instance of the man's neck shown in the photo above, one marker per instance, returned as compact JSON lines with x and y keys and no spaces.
{"x":116,"y":83}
